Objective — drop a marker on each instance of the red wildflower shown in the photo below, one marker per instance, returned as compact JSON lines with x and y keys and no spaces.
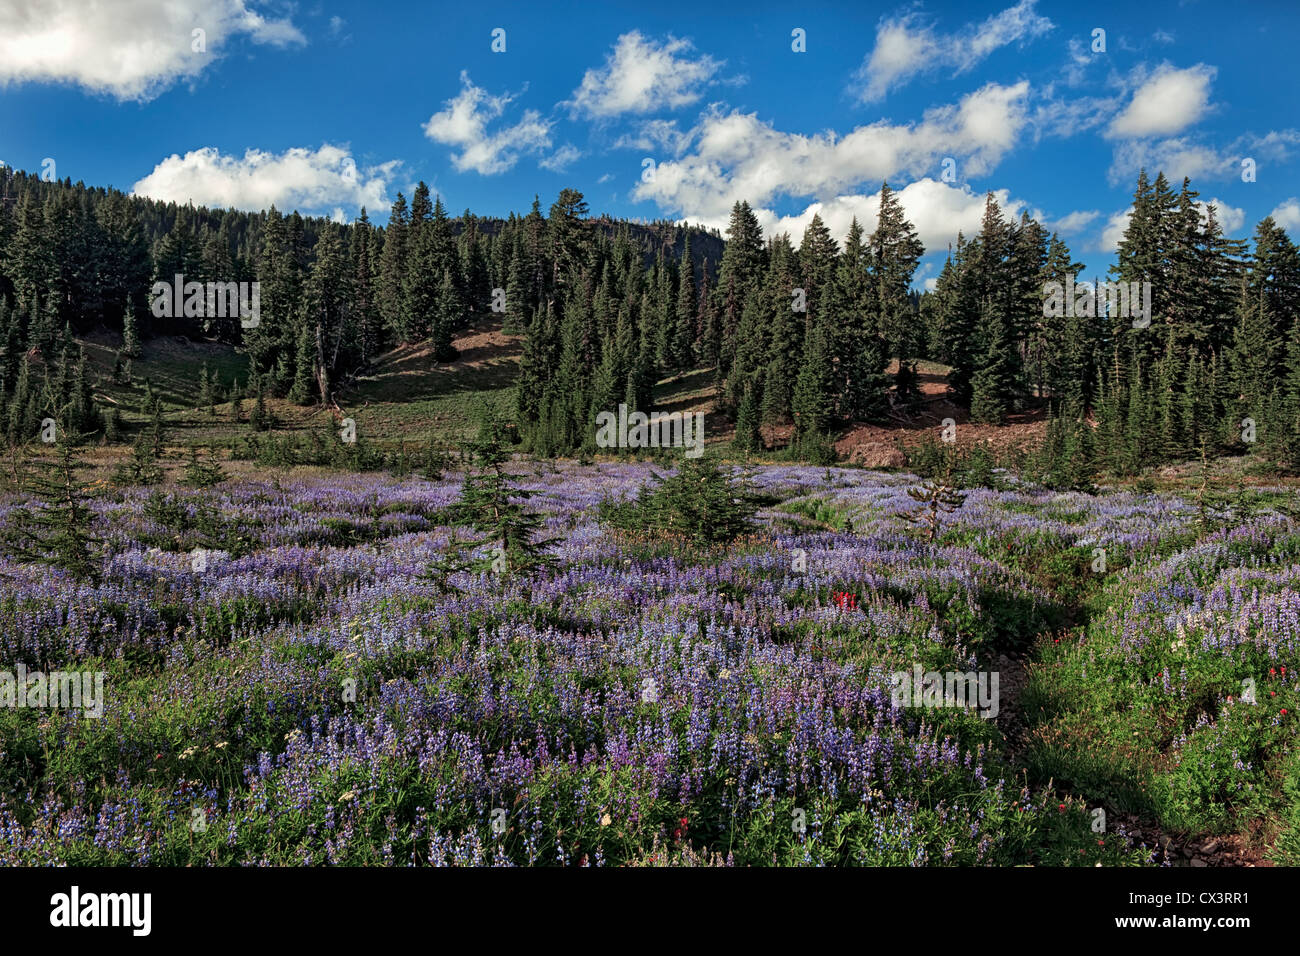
{"x":844,"y":600}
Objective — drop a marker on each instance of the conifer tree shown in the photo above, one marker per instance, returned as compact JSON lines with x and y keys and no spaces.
{"x":684,"y":332}
{"x":493,"y":503}
{"x":57,"y":530}
{"x":391,"y":292}
{"x":814,"y":397}
{"x":895,"y":252}
{"x":130,"y":334}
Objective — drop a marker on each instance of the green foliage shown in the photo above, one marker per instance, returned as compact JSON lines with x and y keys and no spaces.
{"x":56,"y":528}
{"x":203,"y":473}
{"x":142,"y":468}
{"x":492,"y":503}
{"x":701,"y":502}
{"x":937,"y":497}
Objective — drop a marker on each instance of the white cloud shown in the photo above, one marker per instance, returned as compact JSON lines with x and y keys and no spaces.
{"x":658,"y":134}
{"x":295,"y":179}
{"x":1168,"y":101}
{"x":936,"y":209}
{"x":1058,"y":116}
{"x":1230,"y":218}
{"x":1287,"y":214}
{"x":464,"y":123}
{"x":1074,"y":222}
{"x":905,"y":47}
{"x":131,"y":49}
{"x":561,"y":159}
{"x":641,"y":76}
{"x":1176,"y":158}
{"x":738,"y":156}
{"x":1114,"y":231}
{"x":1180,"y":156}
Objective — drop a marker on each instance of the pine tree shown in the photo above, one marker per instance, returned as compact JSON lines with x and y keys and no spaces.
{"x":863,"y":276}
{"x":492,"y":503}
{"x":207,"y":390}
{"x":814,"y":398}
{"x":1253,"y":360}
{"x":992,"y":383}
{"x":392,"y":269}
{"x":785,"y":348}
{"x":895,"y":252}
{"x":57,"y":529}
{"x":303,"y":388}
{"x":742,"y":263}
{"x":446,"y":317}
{"x":203,"y":473}
{"x":684,"y":332}
{"x":938,"y":496}
{"x":747,"y":437}
{"x":958,"y":317}
{"x":130,"y":334}
{"x":257,"y":418}
{"x":701,"y":503}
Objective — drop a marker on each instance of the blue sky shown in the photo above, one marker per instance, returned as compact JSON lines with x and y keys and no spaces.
{"x":324,"y":107}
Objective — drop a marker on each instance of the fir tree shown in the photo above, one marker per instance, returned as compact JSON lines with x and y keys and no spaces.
{"x":57,"y":529}
{"x":814,"y":398}
{"x":492,"y":503}
{"x":130,"y":334}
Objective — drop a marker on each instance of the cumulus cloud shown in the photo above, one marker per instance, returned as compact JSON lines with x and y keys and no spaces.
{"x":905,"y":47}
{"x":641,"y":76}
{"x":1230,"y":218}
{"x":1177,"y":158}
{"x":326,"y":178}
{"x":1167,"y":102}
{"x":464,"y":123}
{"x":738,"y":156}
{"x":1287,"y":214}
{"x":937,"y":210}
{"x":130,"y":49}
{"x":1182,"y":156}
{"x":654,"y":135}
{"x":1114,"y":231}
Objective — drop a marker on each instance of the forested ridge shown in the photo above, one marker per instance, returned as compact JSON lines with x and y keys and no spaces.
{"x":798,"y":338}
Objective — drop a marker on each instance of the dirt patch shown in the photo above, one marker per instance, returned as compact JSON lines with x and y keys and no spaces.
{"x":478,"y":346}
